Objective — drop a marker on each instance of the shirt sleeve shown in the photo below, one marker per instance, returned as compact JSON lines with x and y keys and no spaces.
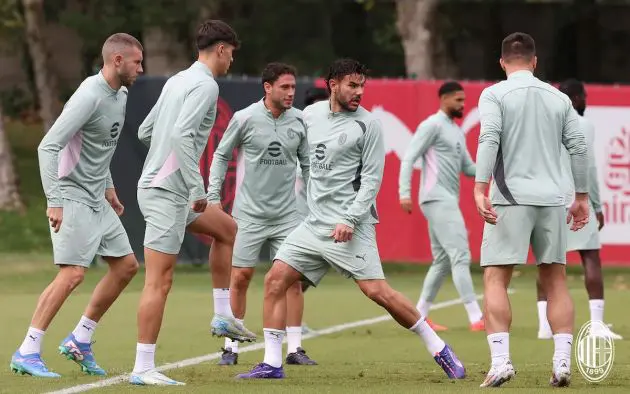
{"x":575,"y":142}
{"x":593,"y":181}
{"x":196,"y":105}
{"x":468,"y":165}
{"x":222,"y":155}
{"x":421,"y":141}
{"x":489,"y":135}
{"x":373,"y":159}
{"x":109,"y":182}
{"x":145,"y":131}
{"x":75,"y":114}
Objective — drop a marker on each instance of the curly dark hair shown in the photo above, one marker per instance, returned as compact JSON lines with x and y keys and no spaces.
{"x":273,"y":71}
{"x":342,"y":67}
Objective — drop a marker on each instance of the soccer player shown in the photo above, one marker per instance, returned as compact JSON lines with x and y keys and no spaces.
{"x":585,"y":241}
{"x":271,"y":137}
{"x":524,"y":125}
{"x":347,"y":161}
{"x":172,"y":198}
{"x":82,"y":206}
{"x":442,"y":145}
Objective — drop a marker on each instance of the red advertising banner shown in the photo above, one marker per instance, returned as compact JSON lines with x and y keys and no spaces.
{"x":402,"y":105}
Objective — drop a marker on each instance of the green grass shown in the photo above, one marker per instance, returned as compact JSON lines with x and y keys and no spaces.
{"x":382,"y":358}
{"x":26,"y":232}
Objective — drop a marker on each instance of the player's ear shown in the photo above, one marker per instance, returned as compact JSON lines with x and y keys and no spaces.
{"x":502,"y":64}
{"x":118,"y":59}
{"x":267,"y":86}
{"x":535,"y":61}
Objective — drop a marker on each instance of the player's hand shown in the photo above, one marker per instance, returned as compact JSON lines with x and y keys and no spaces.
{"x":55,"y":217}
{"x":578,"y":212}
{"x":600,"y":219}
{"x":406,"y":204}
{"x":484,"y":207}
{"x":342,"y":233}
{"x":199,"y":205}
{"x":112,"y":199}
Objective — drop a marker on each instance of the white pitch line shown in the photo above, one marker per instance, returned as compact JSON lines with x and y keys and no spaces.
{"x":250,"y":348}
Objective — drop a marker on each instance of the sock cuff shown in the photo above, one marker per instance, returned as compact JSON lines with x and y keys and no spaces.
{"x":599,"y":303}
{"x":294,"y":329}
{"x":498,"y":335}
{"x":563,"y":336}
{"x":145,"y":347}
{"x":541,"y":302}
{"x":87,"y":320}
{"x":221,"y":293}
{"x":415,"y":326}
{"x":36,"y":330}
{"x":274,"y":330}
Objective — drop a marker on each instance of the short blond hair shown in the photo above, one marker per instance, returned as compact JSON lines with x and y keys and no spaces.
{"x":118,"y":42}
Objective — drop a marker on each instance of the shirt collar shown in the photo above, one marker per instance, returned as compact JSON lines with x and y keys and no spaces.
{"x":521,"y":74}
{"x":199,"y":65}
{"x":103,"y":83}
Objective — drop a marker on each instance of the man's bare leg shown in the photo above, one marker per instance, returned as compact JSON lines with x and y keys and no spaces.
{"x":77,"y":345}
{"x":560,"y":314}
{"x":222,"y":228}
{"x":406,"y":314}
{"x":159,"y":269}
{"x":498,"y":318}
{"x":48,"y":305}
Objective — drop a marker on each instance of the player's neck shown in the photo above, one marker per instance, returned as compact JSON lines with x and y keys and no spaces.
{"x":275,"y":112}
{"x":209,"y":61}
{"x":446,"y":112}
{"x":516,"y":68}
{"x":111,"y":78}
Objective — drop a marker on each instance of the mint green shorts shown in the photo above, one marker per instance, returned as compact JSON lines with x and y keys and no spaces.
{"x":166,"y":215}
{"x":85,"y":233}
{"x":312,"y":253}
{"x":519,"y":226}
{"x":251,"y":237}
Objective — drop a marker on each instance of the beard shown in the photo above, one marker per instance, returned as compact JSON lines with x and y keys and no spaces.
{"x":126,"y":80}
{"x":346,"y":105}
{"x":456,"y":113}
{"x":580,"y":109}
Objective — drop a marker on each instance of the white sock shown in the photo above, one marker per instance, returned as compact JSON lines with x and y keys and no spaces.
{"x":473,"y":310}
{"x":233,"y":344}
{"x":423,"y":307}
{"x":543,"y":323}
{"x":145,"y":357}
{"x":273,"y":347}
{"x":222,"y":302}
{"x":432,"y":341}
{"x":499,"y":347}
{"x":32,"y":341}
{"x":294,"y":339}
{"x":562,"y":348}
{"x":597,"y":310}
{"x":84,"y":330}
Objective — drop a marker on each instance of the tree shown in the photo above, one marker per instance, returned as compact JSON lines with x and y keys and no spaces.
{"x":45,"y":76}
{"x":412,"y":18}
{"x":9,"y":194}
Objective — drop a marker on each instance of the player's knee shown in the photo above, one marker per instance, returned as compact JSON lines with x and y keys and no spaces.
{"x":295,"y":289}
{"x":130,"y":269}
{"x":71,"y":276}
{"x":275,"y":283}
{"x":241,"y":278}
{"x":230,"y":232}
